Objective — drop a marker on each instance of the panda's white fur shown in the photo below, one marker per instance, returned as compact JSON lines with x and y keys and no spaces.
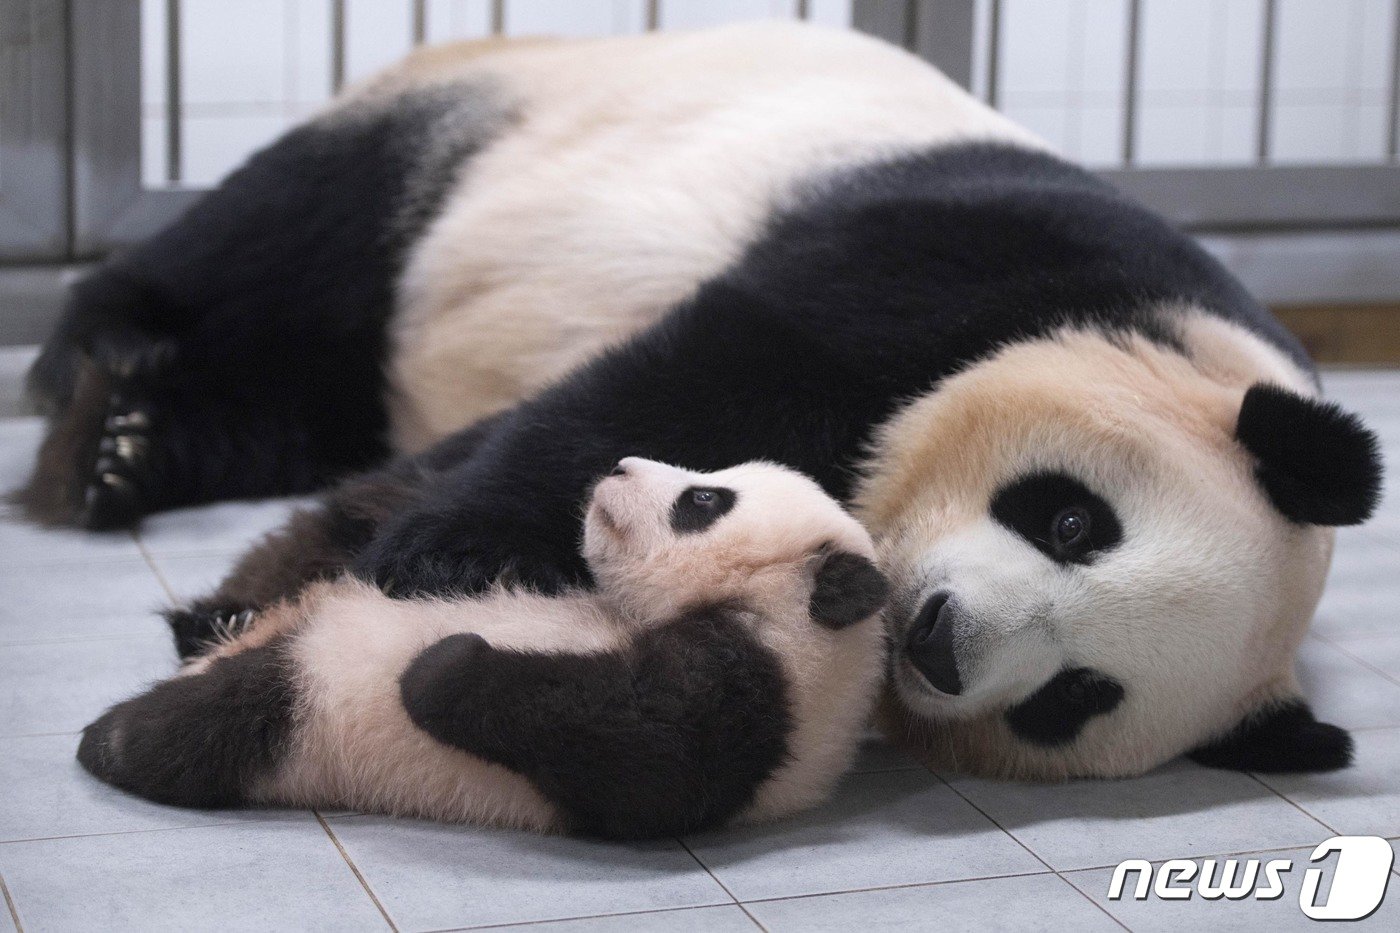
{"x":607,"y":204}
{"x":604,"y":207}
{"x":609,"y":182}
{"x":1199,"y":612}
{"x":353,"y":745}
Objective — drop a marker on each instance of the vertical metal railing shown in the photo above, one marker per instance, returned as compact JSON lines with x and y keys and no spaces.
{"x":174,"y":95}
{"x":1268,"y":53}
{"x":1261,"y":194}
{"x":1392,"y":138}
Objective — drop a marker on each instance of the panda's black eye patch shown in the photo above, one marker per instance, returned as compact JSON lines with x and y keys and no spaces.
{"x":1059,"y":515}
{"x":699,"y":507}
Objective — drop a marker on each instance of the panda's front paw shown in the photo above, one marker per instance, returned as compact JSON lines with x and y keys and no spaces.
{"x":439,"y":684}
{"x":414,"y":562}
{"x":201,"y":627}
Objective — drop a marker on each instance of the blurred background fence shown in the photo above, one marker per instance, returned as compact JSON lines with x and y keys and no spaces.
{"x":1268,"y":127}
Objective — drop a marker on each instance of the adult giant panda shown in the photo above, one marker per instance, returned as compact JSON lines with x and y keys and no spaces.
{"x":1097,"y":470}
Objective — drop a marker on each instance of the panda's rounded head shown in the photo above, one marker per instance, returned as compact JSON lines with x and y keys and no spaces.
{"x":1105,"y":552}
{"x":660,"y":539}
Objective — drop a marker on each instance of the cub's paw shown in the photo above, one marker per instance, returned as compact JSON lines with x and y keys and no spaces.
{"x":436,"y":684}
{"x":201,"y":627}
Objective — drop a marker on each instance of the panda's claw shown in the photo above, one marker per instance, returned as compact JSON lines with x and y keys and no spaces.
{"x":116,"y":494}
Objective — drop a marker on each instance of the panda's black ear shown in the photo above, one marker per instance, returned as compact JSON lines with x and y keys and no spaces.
{"x":1282,"y":738}
{"x":1318,"y":464}
{"x":848,"y":588}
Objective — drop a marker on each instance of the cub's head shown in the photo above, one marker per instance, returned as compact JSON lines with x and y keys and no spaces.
{"x":1104,"y":554}
{"x":787,"y":561}
{"x":659,"y":539}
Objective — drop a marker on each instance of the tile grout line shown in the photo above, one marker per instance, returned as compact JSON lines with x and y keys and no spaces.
{"x":875,"y":889}
{"x":155,"y":569}
{"x":521,"y":924}
{"x":722,"y":886}
{"x":137,"y":832}
{"x":10,"y":903}
{"x":355,"y":869}
{"x":1364,"y":663}
{"x":1036,"y":855}
{"x":1262,"y":783}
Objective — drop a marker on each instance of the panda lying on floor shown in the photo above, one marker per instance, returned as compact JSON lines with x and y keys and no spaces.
{"x":1097,"y":471}
{"x":723,"y":670}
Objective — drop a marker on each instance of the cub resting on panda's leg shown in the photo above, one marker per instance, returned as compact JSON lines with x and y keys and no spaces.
{"x":722,"y":671}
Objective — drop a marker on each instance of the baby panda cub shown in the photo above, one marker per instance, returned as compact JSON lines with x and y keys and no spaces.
{"x":721,"y":671}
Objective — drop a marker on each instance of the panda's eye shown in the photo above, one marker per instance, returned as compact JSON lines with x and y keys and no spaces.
{"x":1070,"y":529}
{"x":700,"y":507}
{"x":1059,"y":516}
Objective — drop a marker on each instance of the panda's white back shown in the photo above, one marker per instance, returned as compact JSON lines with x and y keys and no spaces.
{"x":638,"y":167}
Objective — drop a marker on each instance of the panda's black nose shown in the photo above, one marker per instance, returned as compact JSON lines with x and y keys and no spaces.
{"x":619,"y":470}
{"x":930,"y":644}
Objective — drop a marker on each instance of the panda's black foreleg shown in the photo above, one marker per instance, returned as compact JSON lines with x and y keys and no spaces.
{"x":672,"y":734}
{"x":200,"y":740}
{"x":316,"y":543}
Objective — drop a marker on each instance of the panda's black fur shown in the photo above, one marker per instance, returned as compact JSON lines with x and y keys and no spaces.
{"x":886,"y":280}
{"x":727,"y":675}
{"x":672,"y":735}
{"x":252,"y":332}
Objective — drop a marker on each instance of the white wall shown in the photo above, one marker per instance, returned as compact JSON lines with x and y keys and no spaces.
{"x":251,"y":68}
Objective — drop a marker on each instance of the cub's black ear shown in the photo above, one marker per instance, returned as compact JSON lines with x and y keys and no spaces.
{"x":1282,"y":738}
{"x":1319,"y":464}
{"x":848,"y":589}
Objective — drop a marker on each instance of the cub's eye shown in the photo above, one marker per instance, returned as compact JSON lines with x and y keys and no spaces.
{"x":1058,"y":516}
{"x":700,"y":507}
{"x":1071,"y":528}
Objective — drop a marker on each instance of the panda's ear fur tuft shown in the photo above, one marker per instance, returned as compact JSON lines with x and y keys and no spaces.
{"x":848,"y":588}
{"x":1282,"y":738}
{"x":1318,"y":464}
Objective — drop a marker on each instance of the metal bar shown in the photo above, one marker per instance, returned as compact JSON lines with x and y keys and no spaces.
{"x":1392,"y":137}
{"x":994,"y":54}
{"x":420,"y":21}
{"x":35,"y":106}
{"x":174,"y":111}
{"x":1266,"y":81}
{"x":498,"y":17}
{"x":942,"y":31}
{"x":337,"y":45}
{"x":653,"y":15}
{"x":1130,"y":81}
{"x":888,"y":19}
{"x":1315,"y":197}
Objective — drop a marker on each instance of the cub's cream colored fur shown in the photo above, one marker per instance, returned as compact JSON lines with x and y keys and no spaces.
{"x":1198,"y":612}
{"x":637,"y":167}
{"x":353,"y":745}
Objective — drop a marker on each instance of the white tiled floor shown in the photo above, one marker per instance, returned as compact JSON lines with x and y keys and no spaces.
{"x":898,"y":847}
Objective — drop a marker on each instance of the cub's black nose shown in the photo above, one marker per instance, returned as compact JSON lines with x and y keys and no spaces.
{"x":618,"y":470}
{"x":930,"y":644}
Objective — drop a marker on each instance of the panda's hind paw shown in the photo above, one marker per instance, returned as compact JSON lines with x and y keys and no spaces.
{"x":117,"y":489}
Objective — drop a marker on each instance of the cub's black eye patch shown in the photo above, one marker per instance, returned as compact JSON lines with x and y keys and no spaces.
{"x":1059,"y":515}
{"x":699,"y":507}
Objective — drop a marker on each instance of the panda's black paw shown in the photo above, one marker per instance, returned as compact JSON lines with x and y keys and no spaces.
{"x":201,"y":627}
{"x":99,"y":751}
{"x":117,"y":492}
{"x":435,"y":686}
